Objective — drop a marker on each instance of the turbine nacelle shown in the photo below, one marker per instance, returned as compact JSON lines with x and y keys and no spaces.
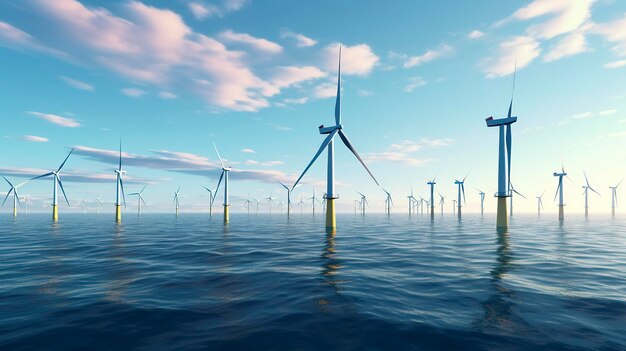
{"x":328,"y":130}
{"x":560,"y":174}
{"x":500,"y":121}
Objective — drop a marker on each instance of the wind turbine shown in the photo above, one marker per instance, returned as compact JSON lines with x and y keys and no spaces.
{"x":614,"y":197}
{"x":587,"y":187}
{"x":513,"y":191}
{"x":432,"y":196}
{"x":119,"y":187}
{"x":270,"y":201}
{"x":26,"y":200}
{"x":247,"y":203}
{"x":388,"y":202}
{"x":313,"y":199}
{"x":280,"y":205}
{"x":300,"y":204}
{"x":139,"y":199}
{"x":504,"y":153}
{"x":482,"y":201}
{"x":559,"y":192}
{"x":85,"y":205}
{"x":442,"y":200}
{"x":225,"y":172}
{"x":289,"y":190}
{"x":421,"y":205}
{"x":453,"y":206}
{"x":363,"y":203}
{"x":176,"y":200}
{"x":56,"y":181}
{"x":461,"y":187}
{"x":331,"y":223}
{"x":98,"y":203}
{"x":539,"y":203}
{"x":16,"y":197}
{"x":357,"y":203}
{"x":412,"y":201}
{"x":211,"y":199}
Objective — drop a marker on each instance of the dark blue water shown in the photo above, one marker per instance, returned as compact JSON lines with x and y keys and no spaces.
{"x":402,"y":283}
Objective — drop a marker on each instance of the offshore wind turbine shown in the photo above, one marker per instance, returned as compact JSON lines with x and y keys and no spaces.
{"x":453,"y":206}
{"x":84,"y":205}
{"x":432,"y":183}
{"x":412,"y":201}
{"x":139,"y":199}
{"x":56,"y":182}
{"x":300,"y":204}
{"x":331,"y":222}
{"x":559,"y":192}
{"x":357,"y":203}
{"x":289,"y":190}
{"x":587,"y":187}
{"x":461,"y":190}
{"x":225,"y":172}
{"x":176,"y":200}
{"x":516,"y":192}
{"x":98,"y":204}
{"x":270,"y":201}
{"x":482,"y":201}
{"x":504,"y":159}
{"x":119,"y":185}
{"x":363,"y":203}
{"x":16,"y":197}
{"x":539,"y":203}
{"x":247,"y":203}
{"x":442,"y":200}
{"x":211,"y":199}
{"x":614,"y":197}
{"x":388,"y":202}
{"x":313,"y":199}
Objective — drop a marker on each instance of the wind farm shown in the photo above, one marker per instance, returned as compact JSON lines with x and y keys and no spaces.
{"x":328,"y":114}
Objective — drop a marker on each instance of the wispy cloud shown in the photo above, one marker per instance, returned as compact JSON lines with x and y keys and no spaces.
{"x":35,"y":139}
{"x":429,"y":55}
{"x":301,"y":40}
{"x":133,"y":92}
{"x":248,"y":151}
{"x":522,"y":50}
{"x":77,"y":176}
{"x":356,"y":60}
{"x":56,"y":119}
{"x":615,"y":64}
{"x":16,"y":38}
{"x":77,"y":83}
{"x":255,"y":43}
{"x":475,"y":34}
{"x":201,"y":11}
{"x":167,"y":95}
{"x":414,"y":82}
{"x":404,"y":151}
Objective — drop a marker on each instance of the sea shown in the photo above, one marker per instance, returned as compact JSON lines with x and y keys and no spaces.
{"x":160,"y":282}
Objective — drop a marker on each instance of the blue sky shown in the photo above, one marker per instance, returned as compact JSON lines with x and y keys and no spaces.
{"x":257,"y":77}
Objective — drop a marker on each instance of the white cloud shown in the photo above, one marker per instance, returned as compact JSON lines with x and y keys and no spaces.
{"x":608,"y":112}
{"x":569,"y":45}
{"x":289,"y":75}
{"x":248,"y":151}
{"x":35,"y":139}
{"x":428,"y":56}
{"x":133,"y":92}
{"x":567,"y":16}
{"x":355,"y":60}
{"x":614,"y":32}
{"x":414,"y":82}
{"x":402,"y":152}
{"x":475,"y":34}
{"x":615,"y":64}
{"x":77,"y":84}
{"x":296,"y":101}
{"x":325,"y":90}
{"x":16,"y":38}
{"x":522,"y":50}
{"x":58,"y":120}
{"x":255,"y":43}
{"x":583,"y":115}
{"x":300,"y":39}
{"x":202,"y":11}
{"x":617,"y":135}
{"x":167,"y":95}
{"x":265,"y":164}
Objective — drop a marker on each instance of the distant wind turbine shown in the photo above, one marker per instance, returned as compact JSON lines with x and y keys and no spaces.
{"x":16,"y":197}
{"x":211,"y":199}
{"x":516,"y":192}
{"x":57,"y":182}
{"x":614,"y":197}
{"x":140,"y":199}
{"x":119,"y":188}
{"x":461,"y":186}
{"x":539,"y":204}
{"x":177,"y":200}
{"x":388,"y":202}
{"x":225,"y":172}
{"x":363,"y":203}
{"x":482,"y":201}
{"x":587,"y":187}
{"x":559,"y":192}
{"x":432,"y":195}
{"x":442,"y":200}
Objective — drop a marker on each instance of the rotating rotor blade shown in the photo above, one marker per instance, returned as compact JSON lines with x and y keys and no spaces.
{"x":43,"y":175}
{"x":218,"y":155}
{"x":620,"y":182}
{"x":8,"y":193}
{"x":594,"y":190}
{"x":122,"y":187}
{"x":325,"y":143}
{"x":141,"y":198}
{"x":63,"y":164}
{"x":142,"y":189}
{"x":518,"y":193}
{"x":338,"y":100}
{"x":218,"y":183}
{"x":120,"y":167}
{"x":11,"y":185}
{"x":284,"y":186}
{"x":17,"y":197}
{"x":586,"y":180}
{"x":58,"y":179}
{"x":557,"y":189}
{"x":346,"y":142}
{"x":463,"y":191}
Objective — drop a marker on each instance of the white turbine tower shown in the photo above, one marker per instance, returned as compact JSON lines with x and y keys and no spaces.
{"x":84,"y":205}
{"x":301,"y":204}
{"x":177,"y":200}
{"x":559,"y":192}
{"x":26,"y":201}
{"x":56,"y":182}
{"x":587,"y":187}
{"x":482,"y":201}
{"x":139,"y":199}
{"x":16,"y":197}
{"x":313,"y":199}
{"x":614,"y":197}
{"x":461,"y":186}
{"x":539,"y":204}
{"x":224,"y":175}
{"x":363,"y":203}
{"x":289,"y":190}
{"x":388,"y":202}
{"x":270,"y":201}
{"x":211,"y":199}
{"x":432,"y":196}
{"x":119,"y":189}
{"x":98,"y":204}
{"x":442,"y":200}
{"x":331,"y":222}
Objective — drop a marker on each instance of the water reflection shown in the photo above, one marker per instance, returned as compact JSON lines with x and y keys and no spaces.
{"x":121,"y":274}
{"x":331,"y":266}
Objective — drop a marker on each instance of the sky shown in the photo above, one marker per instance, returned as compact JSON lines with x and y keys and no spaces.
{"x":170,"y":78}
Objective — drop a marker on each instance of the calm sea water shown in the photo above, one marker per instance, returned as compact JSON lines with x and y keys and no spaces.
{"x":399,"y":283}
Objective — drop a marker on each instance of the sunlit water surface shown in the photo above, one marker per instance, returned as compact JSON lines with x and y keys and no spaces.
{"x":160,"y":282}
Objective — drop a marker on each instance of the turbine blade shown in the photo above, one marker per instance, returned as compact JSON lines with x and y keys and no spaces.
{"x":284,"y":186}
{"x":63,"y":191}
{"x":328,"y":139}
{"x":557,"y":190}
{"x":218,"y":155}
{"x":17,"y":197}
{"x":142,"y":189}
{"x":346,"y":142}
{"x":122,"y":187}
{"x":120,"y":154}
{"x":594,"y":190}
{"x":63,"y":164}
{"x":141,"y":198}
{"x":338,"y":100}
{"x":42,"y":176}
{"x":11,"y":185}
{"x":218,"y":183}
{"x":5,"y":199}
{"x":463,"y":191}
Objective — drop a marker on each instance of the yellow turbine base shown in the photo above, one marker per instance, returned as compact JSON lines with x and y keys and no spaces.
{"x":14,"y":211}
{"x":502,"y":218}
{"x":118,"y":213}
{"x":331,"y":219}
{"x":226,"y":214}
{"x":561,"y":213}
{"x":55,"y":212}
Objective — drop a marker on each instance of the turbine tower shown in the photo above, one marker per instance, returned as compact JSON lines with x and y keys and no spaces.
{"x":453,"y":206}
{"x":139,"y":199}
{"x":412,"y":201}
{"x":559,"y":192}
{"x":313,"y":199}
{"x":614,"y":197}
{"x":26,"y":200}
{"x":388,"y":202}
{"x":587,"y":187}
{"x":211,"y":199}
{"x":289,"y":190}
{"x":331,"y":222}
{"x":363,"y":203}
{"x":432,"y":196}
{"x":84,"y":204}
{"x":504,"y":159}
{"x":16,"y":197}
{"x":176,"y":200}
{"x":56,"y":182}
{"x":270,"y":201}
{"x":461,"y":187}
{"x":300,"y":204}
{"x":119,"y":188}
{"x":442,"y":200}
{"x":98,"y":204}
{"x":247,"y":203}
{"x":539,"y":204}
{"x":225,"y":172}
{"x":482,"y":201}
{"x":513,"y":191}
